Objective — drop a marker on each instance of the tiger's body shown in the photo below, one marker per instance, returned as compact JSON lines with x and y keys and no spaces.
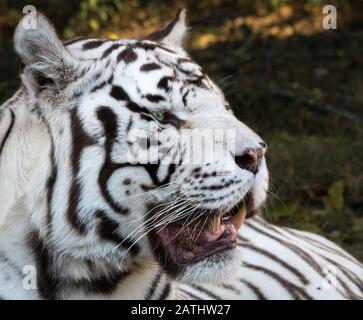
{"x":81,"y":217}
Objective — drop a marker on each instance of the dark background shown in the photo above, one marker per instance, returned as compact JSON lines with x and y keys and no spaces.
{"x":299,"y":86}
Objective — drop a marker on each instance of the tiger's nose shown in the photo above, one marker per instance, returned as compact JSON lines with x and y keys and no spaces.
{"x":251,"y":158}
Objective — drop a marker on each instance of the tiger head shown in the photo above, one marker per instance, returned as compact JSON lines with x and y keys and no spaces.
{"x":125,"y":180}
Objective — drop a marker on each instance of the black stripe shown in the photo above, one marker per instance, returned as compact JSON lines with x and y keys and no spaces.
{"x":295,"y":291}
{"x":171,"y":170}
{"x":93,"y":44}
{"x":127,"y":55}
{"x":52,"y":178}
{"x":110,"y":50}
{"x":96,"y":76}
{"x":80,"y":140}
{"x":207,"y":292}
{"x":348,"y":292}
{"x":153,"y":287}
{"x":353,"y":278}
{"x":108,"y":230}
{"x":154,"y":98}
{"x":72,"y":41}
{"x":185,"y":60}
{"x":185,"y":97}
{"x":51,"y":286}
{"x":152,"y":170}
{"x":6,"y":260}
{"x":217,"y":186}
{"x":149,"y":46}
{"x":7,"y":134}
{"x":110,"y":125}
{"x":102,"y":84}
{"x":120,"y":94}
{"x":193,"y":76}
{"x":165,"y":292}
{"x":231,"y":288}
{"x":99,"y":86}
{"x":173,"y":120}
{"x":46,"y":283}
{"x":256,"y":291}
{"x":104,"y":284}
{"x":150,"y":67}
{"x":198,"y":82}
{"x":164,"y":83}
{"x":243,"y":239}
{"x":190,"y":294}
{"x":129,"y":125}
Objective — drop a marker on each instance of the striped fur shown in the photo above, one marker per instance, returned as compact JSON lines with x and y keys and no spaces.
{"x":79,"y":207}
{"x":282,"y":263}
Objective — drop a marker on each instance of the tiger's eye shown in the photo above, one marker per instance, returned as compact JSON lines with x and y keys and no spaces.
{"x":159,"y":115}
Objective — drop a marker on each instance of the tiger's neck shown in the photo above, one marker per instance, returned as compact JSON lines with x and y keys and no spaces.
{"x":35,"y":230}
{"x":24,"y":144}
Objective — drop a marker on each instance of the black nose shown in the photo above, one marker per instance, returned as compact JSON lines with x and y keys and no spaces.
{"x":251,"y":158}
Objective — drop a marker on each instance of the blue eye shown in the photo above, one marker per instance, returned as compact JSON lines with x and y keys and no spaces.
{"x":159,"y":115}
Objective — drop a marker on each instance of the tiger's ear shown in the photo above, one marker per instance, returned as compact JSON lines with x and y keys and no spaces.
{"x":42,"y":52}
{"x":172,"y":34}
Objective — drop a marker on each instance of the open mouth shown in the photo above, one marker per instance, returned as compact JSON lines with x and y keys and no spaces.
{"x":185,"y":243}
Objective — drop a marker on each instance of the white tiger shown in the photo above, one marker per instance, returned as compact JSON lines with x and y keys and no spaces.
{"x":82,"y":216}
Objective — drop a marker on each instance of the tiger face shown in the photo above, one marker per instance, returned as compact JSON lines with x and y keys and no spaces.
{"x":126,"y":181}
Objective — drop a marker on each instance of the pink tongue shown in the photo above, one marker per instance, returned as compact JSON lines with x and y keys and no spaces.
{"x":216,"y":234}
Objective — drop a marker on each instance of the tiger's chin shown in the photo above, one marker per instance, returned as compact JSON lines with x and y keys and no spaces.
{"x":213,"y":269}
{"x":202,"y":251}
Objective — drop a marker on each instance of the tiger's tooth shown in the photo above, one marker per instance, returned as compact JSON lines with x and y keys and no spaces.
{"x":216,"y":225}
{"x":239,"y":218}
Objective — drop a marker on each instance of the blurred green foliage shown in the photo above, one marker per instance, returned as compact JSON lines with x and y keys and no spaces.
{"x":299,"y":86}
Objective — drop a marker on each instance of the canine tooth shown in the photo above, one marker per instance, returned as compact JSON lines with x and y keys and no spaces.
{"x":239,"y":218}
{"x":216,"y":225}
